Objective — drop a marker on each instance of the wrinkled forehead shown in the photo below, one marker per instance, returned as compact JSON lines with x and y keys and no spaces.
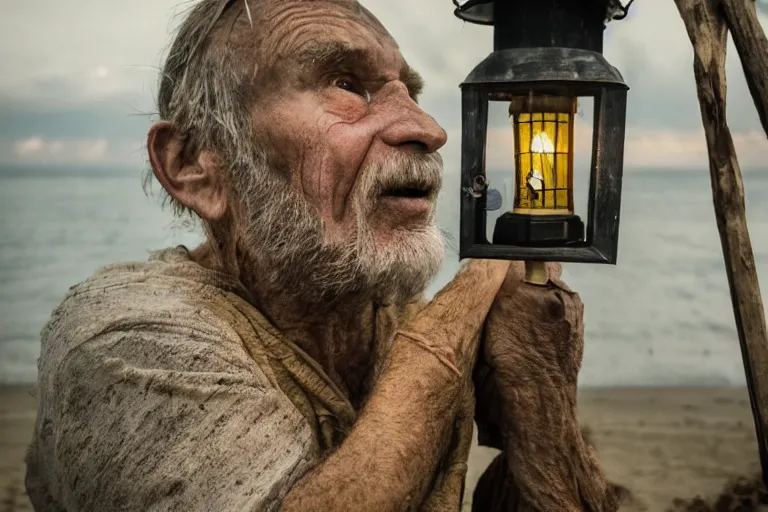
{"x":297,"y":28}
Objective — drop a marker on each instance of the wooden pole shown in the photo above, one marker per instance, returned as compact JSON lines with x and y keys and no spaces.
{"x":707,"y":29}
{"x":752,"y":47}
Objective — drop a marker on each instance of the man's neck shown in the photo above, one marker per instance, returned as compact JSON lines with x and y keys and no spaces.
{"x":343,"y":342}
{"x":341,"y":338}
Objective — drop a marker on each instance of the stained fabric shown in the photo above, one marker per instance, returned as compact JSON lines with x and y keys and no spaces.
{"x":162,"y":388}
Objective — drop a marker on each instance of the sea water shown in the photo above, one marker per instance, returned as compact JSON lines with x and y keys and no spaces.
{"x":662,"y":316}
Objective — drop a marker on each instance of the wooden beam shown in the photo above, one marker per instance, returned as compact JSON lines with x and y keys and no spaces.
{"x":752,"y":47}
{"x":707,"y":30}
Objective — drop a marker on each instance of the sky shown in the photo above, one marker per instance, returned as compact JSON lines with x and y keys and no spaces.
{"x":79,"y":78}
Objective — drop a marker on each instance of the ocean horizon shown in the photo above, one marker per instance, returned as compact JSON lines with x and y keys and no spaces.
{"x":661,"y":317}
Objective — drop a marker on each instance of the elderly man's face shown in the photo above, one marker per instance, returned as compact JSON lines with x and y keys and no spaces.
{"x":344,"y":125}
{"x":338,"y":197}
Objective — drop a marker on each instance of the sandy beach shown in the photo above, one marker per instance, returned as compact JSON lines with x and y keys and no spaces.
{"x":661,"y":444}
{"x":17,"y":418}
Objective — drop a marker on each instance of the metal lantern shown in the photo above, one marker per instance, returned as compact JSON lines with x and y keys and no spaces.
{"x":547,"y":54}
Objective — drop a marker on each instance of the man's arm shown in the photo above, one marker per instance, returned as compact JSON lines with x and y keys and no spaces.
{"x":150,"y":418}
{"x":496,"y":490}
{"x":534,"y":346}
{"x":389,"y":459}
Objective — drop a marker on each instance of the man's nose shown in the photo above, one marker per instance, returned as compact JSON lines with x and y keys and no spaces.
{"x":408,"y":125}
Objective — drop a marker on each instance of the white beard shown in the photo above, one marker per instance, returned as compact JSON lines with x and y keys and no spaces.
{"x":286,"y":237}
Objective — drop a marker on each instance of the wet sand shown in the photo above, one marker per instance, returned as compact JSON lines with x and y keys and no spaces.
{"x":17,"y":418}
{"x":660,"y":443}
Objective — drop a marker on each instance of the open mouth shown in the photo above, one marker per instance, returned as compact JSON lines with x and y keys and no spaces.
{"x":408,"y":192}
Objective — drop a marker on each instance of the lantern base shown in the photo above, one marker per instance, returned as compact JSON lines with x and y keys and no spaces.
{"x":538,"y":230}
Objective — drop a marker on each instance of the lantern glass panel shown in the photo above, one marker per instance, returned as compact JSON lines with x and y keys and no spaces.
{"x":543,"y":127}
{"x":539,"y":160}
{"x":544,"y":161}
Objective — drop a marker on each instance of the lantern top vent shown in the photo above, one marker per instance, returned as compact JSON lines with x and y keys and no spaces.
{"x":481,"y":12}
{"x":563,"y":66}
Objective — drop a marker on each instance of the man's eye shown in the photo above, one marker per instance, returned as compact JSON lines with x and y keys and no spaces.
{"x":351,"y":85}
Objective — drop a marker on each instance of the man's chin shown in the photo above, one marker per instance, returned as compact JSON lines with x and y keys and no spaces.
{"x":416,"y":237}
{"x":406,"y":260}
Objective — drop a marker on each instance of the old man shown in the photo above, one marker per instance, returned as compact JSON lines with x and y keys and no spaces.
{"x":290,"y":362}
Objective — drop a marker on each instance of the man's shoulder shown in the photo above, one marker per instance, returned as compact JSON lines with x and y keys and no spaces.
{"x":167,"y":316}
{"x":170,"y":268}
{"x":167,"y":288}
{"x":142,"y":284}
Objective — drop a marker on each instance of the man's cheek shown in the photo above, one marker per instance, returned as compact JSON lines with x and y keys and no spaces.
{"x":349,"y":148}
{"x":342,"y":106}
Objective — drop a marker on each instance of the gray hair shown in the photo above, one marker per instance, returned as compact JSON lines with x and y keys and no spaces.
{"x":205,"y":86}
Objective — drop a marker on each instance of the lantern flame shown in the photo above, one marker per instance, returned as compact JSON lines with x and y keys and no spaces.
{"x":535,"y":180}
{"x":541,"y":143}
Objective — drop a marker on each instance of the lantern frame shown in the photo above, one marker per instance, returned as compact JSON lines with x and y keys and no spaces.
{"x":558,"y":71}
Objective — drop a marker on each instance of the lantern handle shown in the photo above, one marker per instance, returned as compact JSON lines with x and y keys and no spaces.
{"x":470,"y":3}
{"x":620,"y":11}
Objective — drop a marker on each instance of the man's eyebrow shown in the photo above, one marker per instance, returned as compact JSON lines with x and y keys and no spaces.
{"x":412,"y":80}
{"x":324,"y":58}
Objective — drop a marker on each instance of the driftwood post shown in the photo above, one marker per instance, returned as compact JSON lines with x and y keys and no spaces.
{"x":752,"y":47}
{"x":707,"y":23}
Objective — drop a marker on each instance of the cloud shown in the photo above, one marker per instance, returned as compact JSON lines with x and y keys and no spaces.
{"x":69,"y":42}
{"x":113,"y":119}
{"x":35,"y":151}
{"x":38,"y":150}
{"x":687,"y":149}
{"x":31,"y":146}
{"x":99,"y":77}
{"x":644,"y":148}
{"x":100,"y":72}
{"x":650,"y":48}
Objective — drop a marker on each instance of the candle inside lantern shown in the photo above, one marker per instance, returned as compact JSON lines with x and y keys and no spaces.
{"x":543,"y":127}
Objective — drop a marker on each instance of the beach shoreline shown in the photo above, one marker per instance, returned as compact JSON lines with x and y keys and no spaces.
{"x":17,"y":419}
{"x":660,"y":443}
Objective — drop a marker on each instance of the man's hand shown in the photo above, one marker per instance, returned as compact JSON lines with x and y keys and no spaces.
{"x":520,"y":346}
{"x":452,"y":322}
{"x":420,"y":406}
{"x":526,"y":395}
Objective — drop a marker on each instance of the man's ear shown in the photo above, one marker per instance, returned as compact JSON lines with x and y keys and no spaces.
{"x":198,"y":184}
